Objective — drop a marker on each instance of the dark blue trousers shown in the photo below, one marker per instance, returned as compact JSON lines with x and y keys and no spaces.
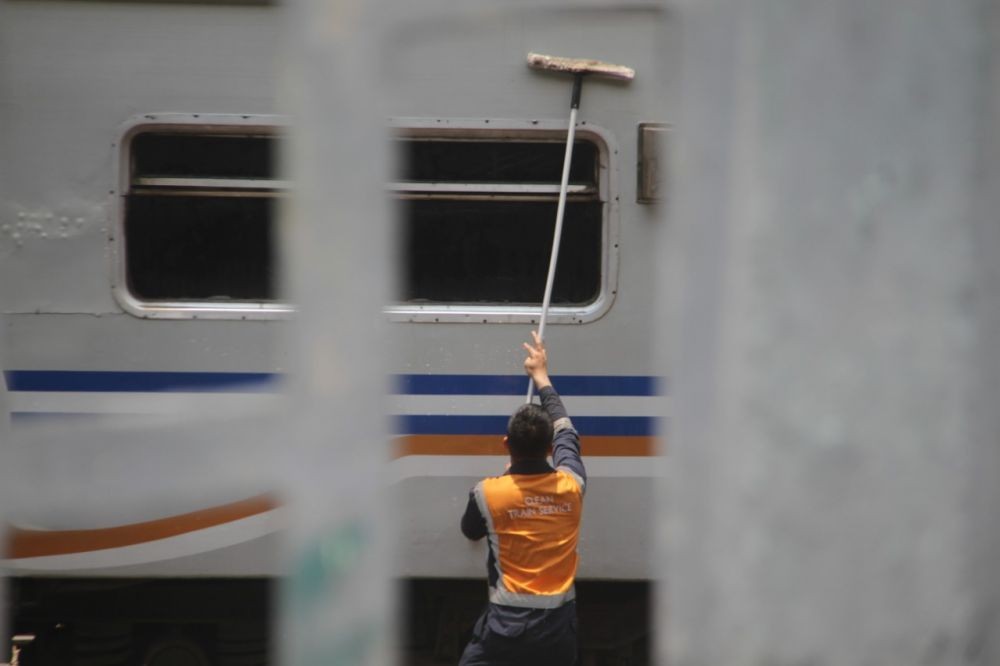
{"x":509,"y":636}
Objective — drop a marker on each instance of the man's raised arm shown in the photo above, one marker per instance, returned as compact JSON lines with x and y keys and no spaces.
{"x":566,"y":442}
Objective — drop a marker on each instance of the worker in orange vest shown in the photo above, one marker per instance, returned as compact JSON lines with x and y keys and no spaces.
{"x":531,"y":515}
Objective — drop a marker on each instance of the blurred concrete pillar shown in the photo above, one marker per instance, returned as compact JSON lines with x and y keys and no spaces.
{"x":336,"y":602}
{"x":834,"y":458}
{"x":4,"y":472}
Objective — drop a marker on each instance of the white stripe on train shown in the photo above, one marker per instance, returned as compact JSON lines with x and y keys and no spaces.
{"x":80,"y":402}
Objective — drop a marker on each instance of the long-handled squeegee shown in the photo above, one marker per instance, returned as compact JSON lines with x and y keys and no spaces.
{"x":578,"y":67}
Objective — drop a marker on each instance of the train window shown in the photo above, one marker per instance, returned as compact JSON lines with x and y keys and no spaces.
{"x":460,"y":251}
{"x":478,"y":213}
{"x":199,"y":219}
{"x":429,"y":160}
{"x":190,"y":247}
{"x":477,"y":201}
{"x":156,"y":154}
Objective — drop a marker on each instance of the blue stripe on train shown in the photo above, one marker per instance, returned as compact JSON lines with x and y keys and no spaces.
{"x":631,"y":426}
{"x":102,"y":381}
{"x":222,"y":382}
{"x":610,"y":385}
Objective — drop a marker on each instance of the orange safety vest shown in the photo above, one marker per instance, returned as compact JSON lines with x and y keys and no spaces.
{"x":533,"y":524}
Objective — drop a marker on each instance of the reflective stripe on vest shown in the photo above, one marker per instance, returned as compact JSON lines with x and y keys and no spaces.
{"x":505,"y":598}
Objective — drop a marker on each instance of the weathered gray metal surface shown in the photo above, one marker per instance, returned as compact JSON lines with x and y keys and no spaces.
{"x":833,"y":474}
{"x":71,"y":74}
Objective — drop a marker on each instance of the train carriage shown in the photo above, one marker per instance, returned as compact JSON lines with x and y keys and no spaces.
{"x":141,"y":279}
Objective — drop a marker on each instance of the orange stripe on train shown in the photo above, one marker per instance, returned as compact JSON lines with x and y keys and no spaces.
{"x":20,"y":543}
{"x":492,"y":445}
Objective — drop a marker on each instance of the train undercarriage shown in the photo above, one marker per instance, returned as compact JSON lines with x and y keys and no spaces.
{"x":229,"y":622}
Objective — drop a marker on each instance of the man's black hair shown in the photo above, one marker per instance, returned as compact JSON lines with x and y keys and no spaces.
{"x":529,"y":432}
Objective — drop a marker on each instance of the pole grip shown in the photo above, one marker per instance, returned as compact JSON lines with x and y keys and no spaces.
{"x":577,"y":90}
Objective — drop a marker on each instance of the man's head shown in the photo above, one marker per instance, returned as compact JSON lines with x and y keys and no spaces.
{"x":529,"y":432}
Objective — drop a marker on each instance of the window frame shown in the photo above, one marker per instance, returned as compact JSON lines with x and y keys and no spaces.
{"x":185,"y":123}
{"x":607,"y":195}
{"x":427,"y":128}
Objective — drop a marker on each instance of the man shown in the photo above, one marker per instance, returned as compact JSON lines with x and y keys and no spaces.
{"x":532,"y":517}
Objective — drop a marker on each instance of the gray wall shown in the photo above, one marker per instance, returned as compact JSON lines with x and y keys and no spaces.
{"x":833,"y":473}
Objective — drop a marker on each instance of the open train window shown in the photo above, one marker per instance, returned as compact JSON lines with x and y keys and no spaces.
{"x":199,"y":219}
{"x":478,"y":205}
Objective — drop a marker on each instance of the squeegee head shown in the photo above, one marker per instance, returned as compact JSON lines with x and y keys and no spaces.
{"x":580,"y":66}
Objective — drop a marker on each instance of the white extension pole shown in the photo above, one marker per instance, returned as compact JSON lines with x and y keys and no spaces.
{"x":578,"y":67}
{"x":560,"y":211}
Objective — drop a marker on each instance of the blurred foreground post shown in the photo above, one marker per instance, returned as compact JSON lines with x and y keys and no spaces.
{"x":834,"y":464}
{"x":336,"y":600}
{"x":4,"y":471}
